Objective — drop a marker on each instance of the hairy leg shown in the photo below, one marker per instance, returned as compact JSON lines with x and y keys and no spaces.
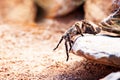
{"x":67,"y":53}
{"x":58,"y":43}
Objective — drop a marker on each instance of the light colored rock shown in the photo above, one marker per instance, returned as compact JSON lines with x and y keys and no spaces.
{"x":55,"y":8}
{"x":102,"y":49}
{"x":96,"y":10}
{"x":17,"y":10}
{"x":112,"y":76}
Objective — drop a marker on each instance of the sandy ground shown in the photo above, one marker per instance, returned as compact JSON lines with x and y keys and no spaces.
{"x":26,"y":53}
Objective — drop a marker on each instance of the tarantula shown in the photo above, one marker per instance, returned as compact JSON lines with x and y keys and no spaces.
{"x":79,"y":27}
{"x":109,"y":24}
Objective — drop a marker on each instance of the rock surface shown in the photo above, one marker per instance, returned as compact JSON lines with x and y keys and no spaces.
{"x":102,"y":49}
{"x":112,"y":76}
{"x":17,"y":10}
{"x":55,"y":8}
{"x":96,"y":10}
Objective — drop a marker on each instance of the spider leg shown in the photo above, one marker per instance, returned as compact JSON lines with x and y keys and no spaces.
{"x":79,"y":30}
{"x":66,"y":47}
{"x":70,"y":43}
{"x":58,"y":43}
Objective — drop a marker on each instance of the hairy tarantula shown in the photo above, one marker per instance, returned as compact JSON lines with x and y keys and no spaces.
{"x":109,"y":24}
{"x":79,"y":27}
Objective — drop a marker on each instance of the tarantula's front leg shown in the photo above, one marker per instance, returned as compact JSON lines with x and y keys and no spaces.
{"x":66,"y":48}
{"x":67,"y":40}
{"x":70,"y":42}
{"x":59,"y":43}
{"x":79,"y":28}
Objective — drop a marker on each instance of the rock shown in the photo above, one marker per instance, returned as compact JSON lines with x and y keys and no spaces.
{"x":112,"y":76}
{"x":17,"y":10}
{"x":55,"y":8}
{"x":102,"y":49}
{"x":96,"y":10}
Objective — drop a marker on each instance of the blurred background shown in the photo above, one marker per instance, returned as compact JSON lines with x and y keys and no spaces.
{"x":27,"y":11}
